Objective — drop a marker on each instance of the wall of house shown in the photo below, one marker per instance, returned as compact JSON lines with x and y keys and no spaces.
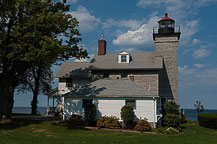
{"x":145,"y":107}
{"x":146,"y":79}
{"x":149,"y":80}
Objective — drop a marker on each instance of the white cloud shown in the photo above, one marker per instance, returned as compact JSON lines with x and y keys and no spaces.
{"x":87,"y":22}
{"x":203,"y":3}
{"x":181,"y":11}
{"x":195,"y":76}
{"x":201,"y":53}
{"x":188,"y":29}
{"x":195,"y":41}
{"x":181,"y":69}
{"x":199,"y":65}
{"x":138,"y":37}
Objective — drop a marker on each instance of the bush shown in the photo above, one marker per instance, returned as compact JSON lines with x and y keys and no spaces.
{"x":171,"y":108}
{"x":75,"y":120}
{"x":142,"y":125}
{"x":90,"y":112}
{"x":172,"y":120}
{"x":111,"y":122}
{"x":208,"y":120}
{"x":172,"y":130}
{"x":183,"y":118}
{"x":127,"y":114}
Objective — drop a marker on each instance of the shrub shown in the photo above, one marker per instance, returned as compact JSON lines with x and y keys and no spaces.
{"x":127,"y":114}
{"x":183,"y":118}
{"x":172,"y":120}
{"x":142,"y":125}
{"x":208,"y":120}
{"x":171,"y":108}
{"x":75,"y":120}
{"x":172,"y":130}
{"x":162,"y":130}
{"x":90,"y":112}
{"x":111,"y":122}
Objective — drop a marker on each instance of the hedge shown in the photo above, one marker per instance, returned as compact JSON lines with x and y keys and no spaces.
{"x":208,"y":120}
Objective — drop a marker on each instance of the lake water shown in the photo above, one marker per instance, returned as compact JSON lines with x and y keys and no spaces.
{"x":27,"y":110}
{"x":190,"y":113}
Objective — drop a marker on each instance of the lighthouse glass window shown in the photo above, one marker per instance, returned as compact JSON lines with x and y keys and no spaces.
{"x":123,"y":58}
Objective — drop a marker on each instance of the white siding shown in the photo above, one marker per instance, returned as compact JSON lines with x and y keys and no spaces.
{"x":62,"y":88}
{"x":145,"y":107}
{"x":76,"y":83}
{"x":72,"y":106}
{"x":110,"y":107}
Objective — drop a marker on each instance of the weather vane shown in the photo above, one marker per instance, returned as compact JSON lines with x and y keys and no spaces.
{"x":102,"y":35}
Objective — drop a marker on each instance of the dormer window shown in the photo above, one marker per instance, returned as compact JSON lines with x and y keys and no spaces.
{"x":123,"y":57}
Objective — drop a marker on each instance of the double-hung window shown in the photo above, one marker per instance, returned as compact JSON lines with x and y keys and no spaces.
{"x":123,"y":58}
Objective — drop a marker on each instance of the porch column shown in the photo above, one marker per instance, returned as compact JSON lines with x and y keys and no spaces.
{"x":53,"y":105}
{"x":48,"y":107}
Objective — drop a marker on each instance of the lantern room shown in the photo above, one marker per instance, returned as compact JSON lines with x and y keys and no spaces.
{"x":166,"y":25}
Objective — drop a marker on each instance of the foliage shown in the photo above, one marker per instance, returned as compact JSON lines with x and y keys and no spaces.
{"x":199,"y":107}
{"x":171,"y":108}
{"x":75,"y":120}
{"x":127,"y":114}
{"x":208,"y":120}
{"x":111,"y":122}
{"x":172,"y":120}
{"x":183,"y":118}
{"x":33,"y":33}
{"x":162,"y":130}
{"x":172,"y":130}
{"x":90,"y":112}
{"x":142,"y":125}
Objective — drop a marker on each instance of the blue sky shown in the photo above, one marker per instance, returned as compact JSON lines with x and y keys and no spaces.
{"x":128,"y":24}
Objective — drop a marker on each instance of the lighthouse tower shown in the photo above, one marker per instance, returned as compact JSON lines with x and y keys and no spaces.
{"x":166,"y":39}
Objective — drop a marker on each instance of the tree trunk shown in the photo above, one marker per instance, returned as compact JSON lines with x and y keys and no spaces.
{"x":36,"y":90}
{"x":34,"y":103}
{"x":6,"y":98}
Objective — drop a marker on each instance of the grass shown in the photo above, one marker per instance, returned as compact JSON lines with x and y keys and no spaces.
{"x":48,"y":132}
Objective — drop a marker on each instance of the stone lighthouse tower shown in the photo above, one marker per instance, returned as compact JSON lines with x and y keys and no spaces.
{"x":166,"y":45}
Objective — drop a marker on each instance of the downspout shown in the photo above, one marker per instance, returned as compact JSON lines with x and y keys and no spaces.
{"x":154,"y":113}
{"x":63,"y":98}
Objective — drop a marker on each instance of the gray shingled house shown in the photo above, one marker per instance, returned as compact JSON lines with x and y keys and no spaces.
{"x":144,"y":80}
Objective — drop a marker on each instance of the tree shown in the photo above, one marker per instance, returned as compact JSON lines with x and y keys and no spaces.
{"x":127,"y":114}
{"x":199,"y":107}
{"x":171,"y":118}
{"x":38,"y":80}
{"x":33,"y":32}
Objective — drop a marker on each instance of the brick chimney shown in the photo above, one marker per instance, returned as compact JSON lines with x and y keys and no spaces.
{"x":101,"y":47}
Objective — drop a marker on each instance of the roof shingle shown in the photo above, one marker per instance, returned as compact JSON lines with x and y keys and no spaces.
{"x":111,"y":88}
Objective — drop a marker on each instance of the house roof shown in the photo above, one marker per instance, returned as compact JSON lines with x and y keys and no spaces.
{"x":110,"y":88}
{"x":139,"y":61}
{"x":74,"y":69}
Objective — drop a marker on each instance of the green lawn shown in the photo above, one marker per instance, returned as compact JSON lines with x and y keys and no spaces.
{"x":46,"y":132}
